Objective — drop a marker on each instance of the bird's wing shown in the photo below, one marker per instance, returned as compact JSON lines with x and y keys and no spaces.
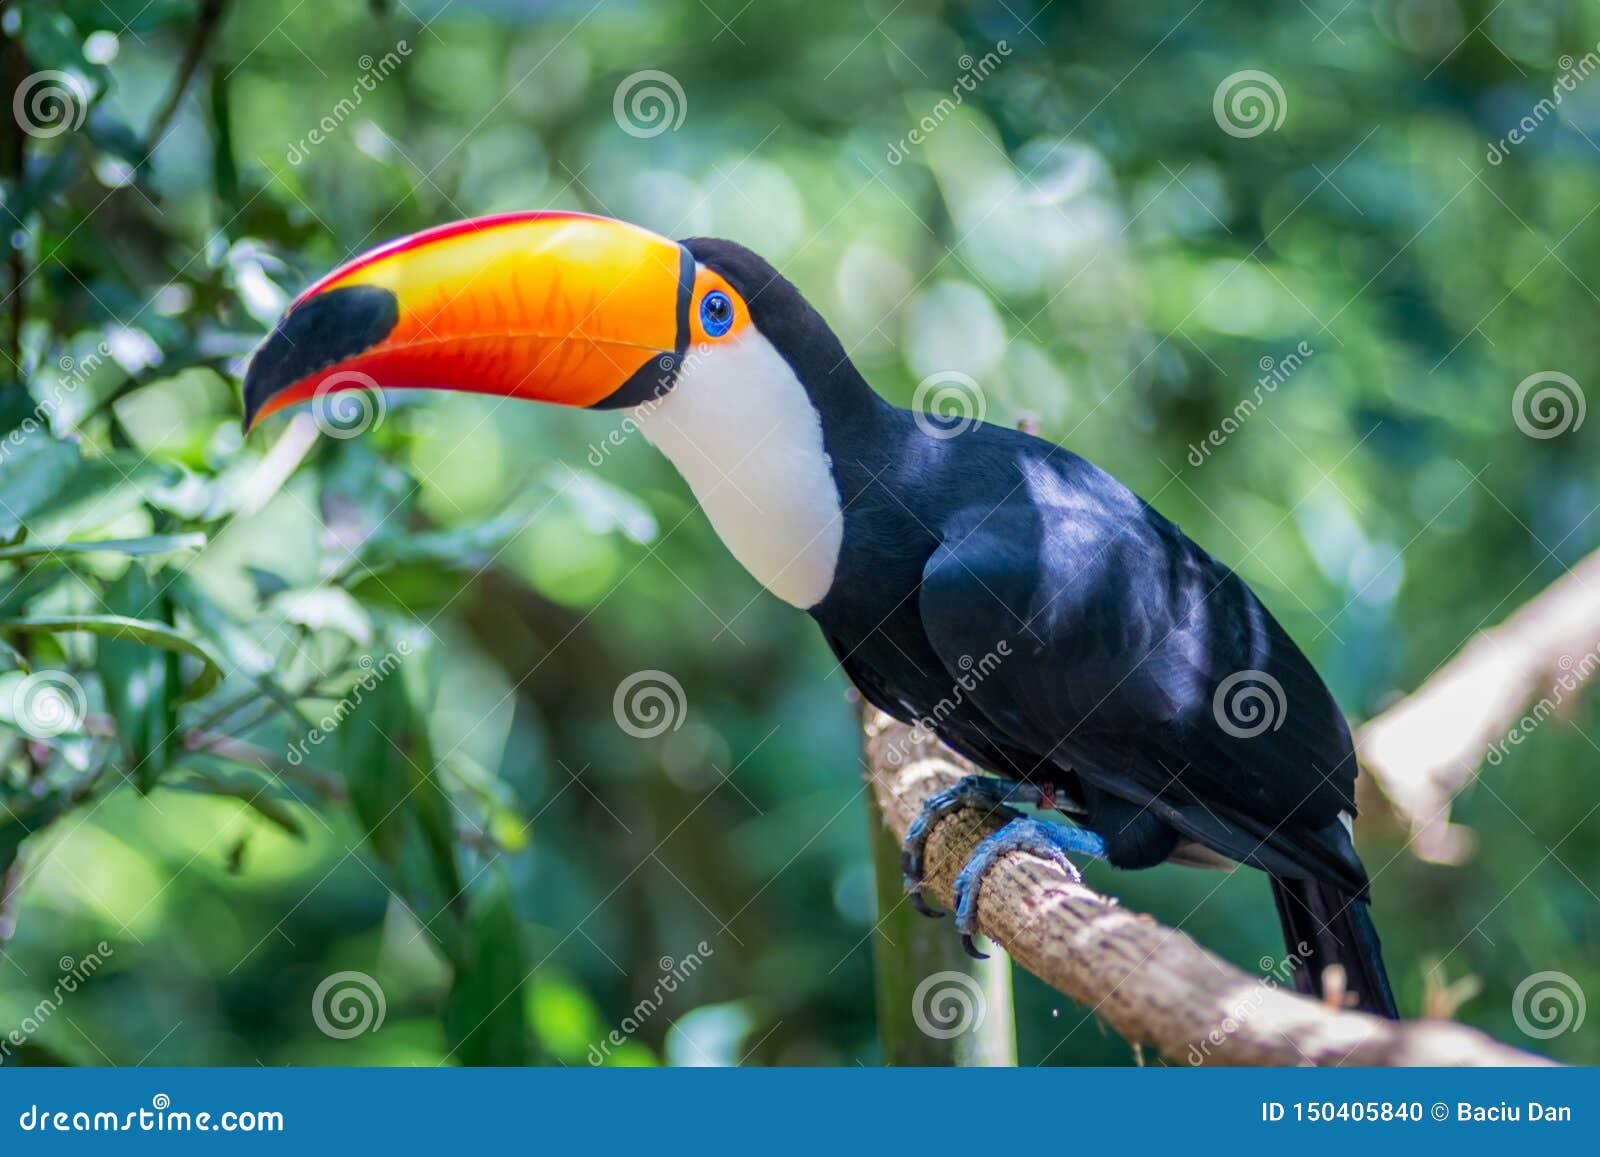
{"x":1099,"y":637}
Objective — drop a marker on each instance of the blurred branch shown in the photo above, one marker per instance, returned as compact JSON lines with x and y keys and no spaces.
{"x":207,"y":20}
{"x":10,"y":900}
{"x":908,"y":950}
{"x":251,"y":755}
{"x":1428,"y":747}
{"x":13,"y":168}
{"x":1150,"y":983}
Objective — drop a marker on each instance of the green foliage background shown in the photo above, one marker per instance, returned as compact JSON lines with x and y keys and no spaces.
{"x":1079,"y":236}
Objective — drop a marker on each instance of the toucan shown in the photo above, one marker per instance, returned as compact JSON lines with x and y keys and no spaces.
{"x":987,"y":585}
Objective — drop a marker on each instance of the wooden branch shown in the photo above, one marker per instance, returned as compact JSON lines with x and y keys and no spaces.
{"x":1152,"y":984}
{"x":1425,"y":749}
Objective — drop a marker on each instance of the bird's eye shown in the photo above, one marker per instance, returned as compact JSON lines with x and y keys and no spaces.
{"x":716,"y":313}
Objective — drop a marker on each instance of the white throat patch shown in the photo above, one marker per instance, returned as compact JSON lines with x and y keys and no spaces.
{"x":742,"y":431}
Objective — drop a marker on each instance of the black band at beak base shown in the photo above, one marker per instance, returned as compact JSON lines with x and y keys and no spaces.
{"x":658,"y":375}
{"x":317,"y":333}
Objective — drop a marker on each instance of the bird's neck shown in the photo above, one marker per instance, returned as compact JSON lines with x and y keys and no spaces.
{"x":748,"y":437}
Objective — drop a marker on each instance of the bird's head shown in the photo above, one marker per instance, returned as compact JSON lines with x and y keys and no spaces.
{"x":724,"y":365}
{"x":546,"y":306}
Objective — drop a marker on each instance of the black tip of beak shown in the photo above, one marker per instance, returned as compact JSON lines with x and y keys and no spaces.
{"x":319,"y":332}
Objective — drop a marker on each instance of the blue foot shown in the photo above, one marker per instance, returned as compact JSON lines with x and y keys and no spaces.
{"x":1023,"y":834}
{"x":983,"y":792}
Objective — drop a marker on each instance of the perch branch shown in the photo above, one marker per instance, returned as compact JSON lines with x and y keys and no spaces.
{"x":1150,"y":983}
{"x":1426,"y":748}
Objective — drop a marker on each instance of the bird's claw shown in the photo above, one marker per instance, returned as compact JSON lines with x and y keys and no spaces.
{"x":975,"y":791}
{"x":914,"y":894}
{"x":1023,"y":834}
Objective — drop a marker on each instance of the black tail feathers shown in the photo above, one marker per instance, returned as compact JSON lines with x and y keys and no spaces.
{"x":1323,"y":926}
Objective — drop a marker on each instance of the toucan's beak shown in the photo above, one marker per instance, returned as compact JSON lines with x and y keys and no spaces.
{"x":555,"y":307}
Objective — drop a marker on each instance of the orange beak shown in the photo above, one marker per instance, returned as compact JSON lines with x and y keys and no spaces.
{"x":554,"y":307}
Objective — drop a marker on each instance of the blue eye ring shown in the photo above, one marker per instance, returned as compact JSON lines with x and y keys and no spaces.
{"x":716,"y":313}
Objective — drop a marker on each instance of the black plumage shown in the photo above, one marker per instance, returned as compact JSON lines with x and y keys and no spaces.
{"x":1111,"y":652}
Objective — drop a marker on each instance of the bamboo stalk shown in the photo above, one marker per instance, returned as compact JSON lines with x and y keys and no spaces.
{"x":936,"y":1005}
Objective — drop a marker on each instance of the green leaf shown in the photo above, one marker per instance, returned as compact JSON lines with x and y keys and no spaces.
{"x":382,"y":747}
{"x":15,"y":657}
{"x":31,"y":474}
{"x":12,"y":833}
{"x":484,"y":1014}
{"x":151,"y":634}
{"x":100,"y":490}
{"x":215,"y":625}
{"x":376,"y":772}
{"x":149,"y":544}
{"x":140,"y":683}
{"x":325,"y":609}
